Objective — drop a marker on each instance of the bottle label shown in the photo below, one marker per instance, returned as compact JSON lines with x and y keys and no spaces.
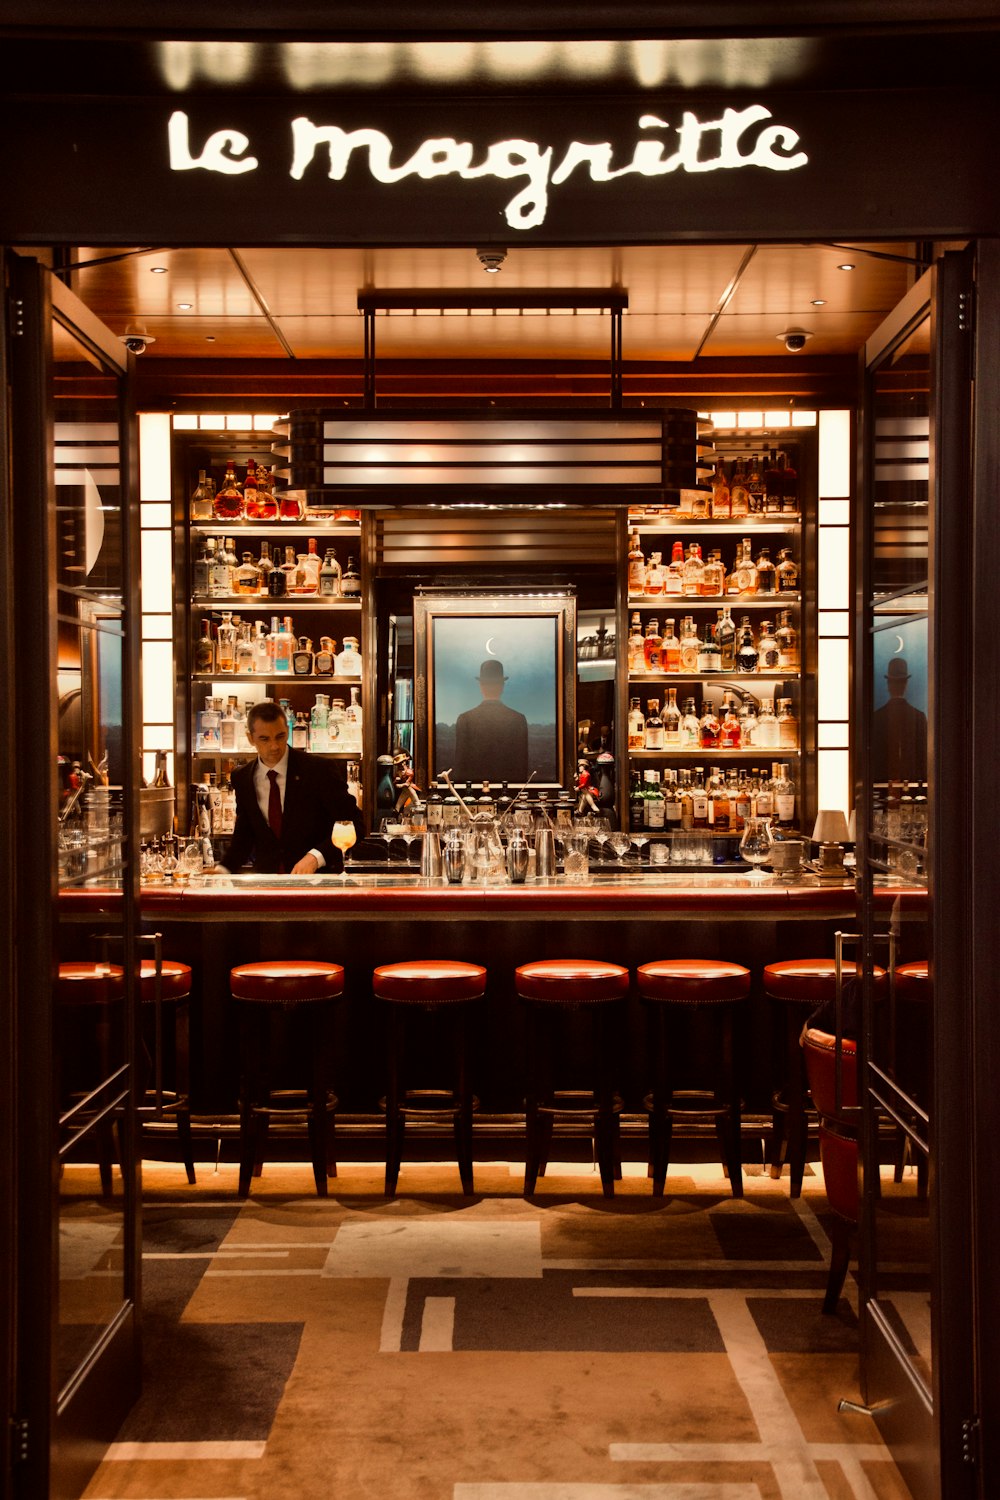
{"x":785,"y":807}
{"x":699,"y":806}
{"x":654,"y":737}
{"x":654,"y":812}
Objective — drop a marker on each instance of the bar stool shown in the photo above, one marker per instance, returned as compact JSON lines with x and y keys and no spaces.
{"x":554,"y":990}
{"x":174,"y":997}
{"x":268,"y":995}
{"x":417,"y":990}
{"x":799,"y":985}
{"x":679,"y":993}
{"x":838,"y":1145}
{"x":87,"y":995}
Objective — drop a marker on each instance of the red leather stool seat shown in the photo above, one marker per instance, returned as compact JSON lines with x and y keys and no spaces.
{"x":838,"y":1144}
{"x":572,"y":981}
{"x":913,"y":981}
{"x":286,"y":981}
{"x":276,"y":998}
{"x":429,"y":981}
{"x":175,"y":981}
{"x":693,"y":981}
{"x":809,"y":981}
{"x":82,"y":983}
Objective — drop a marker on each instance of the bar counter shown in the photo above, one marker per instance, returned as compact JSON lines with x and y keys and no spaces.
{"x":368,"y":919}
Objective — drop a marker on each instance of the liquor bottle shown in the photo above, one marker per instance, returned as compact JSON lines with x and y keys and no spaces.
{"x":654,"y":807}
{"x":284,"y":644}
{"x":725,"y":636}
{"x":227,"y":801}
{"x":699,"y":799}
{"x":739,"y":498}
{"x":336,"y":726}
{"x":671,"y":802}
{"x":651,"y":646}
{"x":310,"y":564}
{"x":267,"y":505}
{"x":330,"y":575}
{"x":225,"y":656}
{"x":755,"y":488}
{"x":201,"y":498}
{"x":300,"y":733}
{"x":228,"y":502}
{"x":160,"y":774}
{"x":262,"y":660}
{"x":685,"y":799}
{"x":671,"y":719}
{"x":763,"y":796}
{"x":765,"y":572}
{"x":746,"y":651}
{"x":654,"y":725}
{"x":789,"y":485}
{"x":323,"y":660}
{"x":264,"y":565}
{"x":673,"y":579}
{"x":721,"y":497}
{"x":636,"y":726}
{"x":748,"y":722}
{"x":767,"y":649}
{"x":350,"y":582}
{"x":713,"y":576}
{"x":251,"y":494}
{"x":690,"y":730}
{"x":201,"y":568}
{"x":220,"y":582}
{"x":690,"y":645}
{"x":354,"y":786}
{"x":636,"y":565}
{"x":204,"y":651}
{"x":740,"y":803}
{"x":693,"y":569}
{"x":203,"y":805}
{"x":708,"y":652}
{"x":670,"y":650}
{"x":246,"y":579}
{"x":227,"y":728}
{"x":783,"y":789}
{"x":768,"y":734}
{"x":290,"y":569}
{"x":787,"y":572}
{"x":319,"y":719}
{"x":709,"y":727}
{"x":435,"y":809}
{"x":347,"y":662}
{"x":636,"y":803}
{"x":452,"y":811}
{"x":289,"y":503}
{"x":788,"y":725}
{"x":244,"y":650}
{"x":719,"y":814}
{"x":731,"y":734}
{"x":655,"y":578}
{"x":788,"y":643}
{"x":745,"y":571}
{"x":302,"y":657}
{"x":353,"y":723}
{"x":636,"y":649}
{"x":772,"y":485}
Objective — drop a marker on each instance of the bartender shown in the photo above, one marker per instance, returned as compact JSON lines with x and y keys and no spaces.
{"x":286,"y":804}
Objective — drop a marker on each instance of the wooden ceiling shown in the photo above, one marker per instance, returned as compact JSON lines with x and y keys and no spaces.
{"x":684,"y":302}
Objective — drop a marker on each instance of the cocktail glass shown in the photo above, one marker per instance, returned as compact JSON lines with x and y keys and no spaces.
{"x":344,"y":836}
{"x":755,"y":847}
{"x":619,"y":844}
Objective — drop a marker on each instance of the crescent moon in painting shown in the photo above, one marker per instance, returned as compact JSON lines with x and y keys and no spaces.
{"x":489,"y":647}
{"x":900,"y":646}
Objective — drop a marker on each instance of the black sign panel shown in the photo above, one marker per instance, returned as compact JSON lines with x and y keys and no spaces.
{"x":651,"y":169}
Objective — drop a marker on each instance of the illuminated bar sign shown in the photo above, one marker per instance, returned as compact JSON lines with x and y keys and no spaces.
{"x":738,"y":138}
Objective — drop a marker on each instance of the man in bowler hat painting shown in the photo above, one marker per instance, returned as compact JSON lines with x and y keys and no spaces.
{"x":491,"y":740}
{"x":899,"y":731}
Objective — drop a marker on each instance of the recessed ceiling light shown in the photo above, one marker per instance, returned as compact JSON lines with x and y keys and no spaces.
{"x":185,"y":306}
{"x":210,"y":338}
{"x":847,"y":266}
{"x":158,"y":270}
{"x":816,"y":302}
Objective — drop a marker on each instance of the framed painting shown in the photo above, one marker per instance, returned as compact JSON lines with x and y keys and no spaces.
{"x":494,"y":686}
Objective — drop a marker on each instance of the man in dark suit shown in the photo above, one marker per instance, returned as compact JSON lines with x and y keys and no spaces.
{"x":286,"y":804}
{"x":491,"y":741}
{"x":899,"y":731}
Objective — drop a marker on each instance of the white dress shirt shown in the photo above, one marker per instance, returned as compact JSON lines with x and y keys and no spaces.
{"x":262,"y":786}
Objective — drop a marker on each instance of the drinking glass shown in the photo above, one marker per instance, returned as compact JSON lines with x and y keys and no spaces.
{"x":619,"y":844}
{"x":755,"y":846}
{"x":639,"y":840}
{"x":344,"y":836}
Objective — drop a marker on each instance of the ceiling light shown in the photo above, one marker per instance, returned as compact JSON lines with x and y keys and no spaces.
{"x":847,"y":266}
{"x":819,"y":302}
{"x":185,"y":306}
{"x":210,"y":338}
{"x":158,"y":270}
{"x":491,"y":260}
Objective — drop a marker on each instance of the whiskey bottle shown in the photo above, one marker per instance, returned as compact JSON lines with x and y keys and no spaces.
{"x":636,"y":726}
{"x":673,"y":579}
{"x":731,"y":734}
{"x":789,"y":485}
{"x":767,"y":649}
{"x":654,"y":807}
{"x":636,"y":565}
{"x":765,"y":572}
{"x":350,"y":582}
{"x":310,"y":564}
{"x":783,"y":789}
{"x":745,"y":571}
{"x":654,"y":579}
{"x":654,"y":725}
{"x":300,"y":733}
{"x":670,"y":650}
{"x":636,"y":649}
{"x":685,"y":799}
{"x":722,"y":507}
{"x":266,"y":504}
{"x":713,"y":576}
{"x":719,"y":812}
{"x":787,"y":572}
{"x":226,"y":644}
{"x":788,"y":643}
{"x":671,"y":802}
{"x":204,"y":651}
{"x":708,"y":652}
{"x":709,"y":727}
{"x":772,"y":485}
{"x":768,"y":734}
{"x":651,"y":646}
{"x":330,"y":575}
{"x":636,"y":803}
{"x":725,"y":635}
{"x":690,"y":645}
{"x":671,"y":720}
{"x":788,"y":725}
{"x":740,"y":500}
{"x":690,"y":733}
{"x":699,"y":800}
{"x":246,"y":579}
{"x":201,"y":498}
{"x":251,"y":495}
{"x":228,"y":502}
{"x":746,"y":651}
{"x":693,"y":569}
{"x":755,"y":488}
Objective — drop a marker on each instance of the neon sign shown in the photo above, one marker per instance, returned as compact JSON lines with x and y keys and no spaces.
{"x":738,"y":138}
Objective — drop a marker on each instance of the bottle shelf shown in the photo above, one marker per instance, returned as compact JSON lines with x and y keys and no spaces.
{"x":691,"y":602}
{"x":786,"y":523}
{"x":274,"y":606}
{"x":264,"y":530}
{"x":278,"y":678}
{"x":701,"y":752}
{"x":792,"y":674}
{"x":244,"y":755}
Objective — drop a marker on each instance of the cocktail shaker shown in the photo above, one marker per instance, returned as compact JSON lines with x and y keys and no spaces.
{"x":454,"y":858}
{"x":517,"y":857}
{"x":545,"y":853}
{"x":430,"y":855}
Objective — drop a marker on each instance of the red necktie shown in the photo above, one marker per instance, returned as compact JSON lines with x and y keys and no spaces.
{"x":274,"y":805}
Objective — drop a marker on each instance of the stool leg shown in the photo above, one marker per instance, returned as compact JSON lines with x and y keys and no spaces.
{"x":251,"y":1050}
{"x":104,"y":1130}
{"x":840,"y":1260}
{"x":660,"y":1123}
{"x":534,"y":1068}
{"x":394,"y":1120}
{"x":606,"y":1121}
{"x":792,"y":1142}
{"x":182,"y":1082}
{"x":463,"y":1101}
{"x":316,"y":1034}
{"x":732,"y":1121}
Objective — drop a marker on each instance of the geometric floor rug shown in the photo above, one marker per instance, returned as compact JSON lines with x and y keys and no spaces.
{"x":442,"y":1347}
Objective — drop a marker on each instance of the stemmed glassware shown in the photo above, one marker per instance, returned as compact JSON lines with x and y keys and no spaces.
{"x":639,"y":840}
{"x":619,"y":844}
{"x":344,"y":836}
{"x":601,"y":833}
{"x":755,"y":846}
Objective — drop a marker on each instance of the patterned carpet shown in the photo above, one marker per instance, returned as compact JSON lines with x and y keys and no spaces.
{"x":491,"y":1348}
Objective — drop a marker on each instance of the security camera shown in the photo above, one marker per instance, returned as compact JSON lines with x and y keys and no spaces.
{"x":794,"y":339}
{"x":136,"y":343}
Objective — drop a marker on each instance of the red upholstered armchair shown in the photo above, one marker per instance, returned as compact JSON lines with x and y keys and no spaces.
{"x":838,"y":1145}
